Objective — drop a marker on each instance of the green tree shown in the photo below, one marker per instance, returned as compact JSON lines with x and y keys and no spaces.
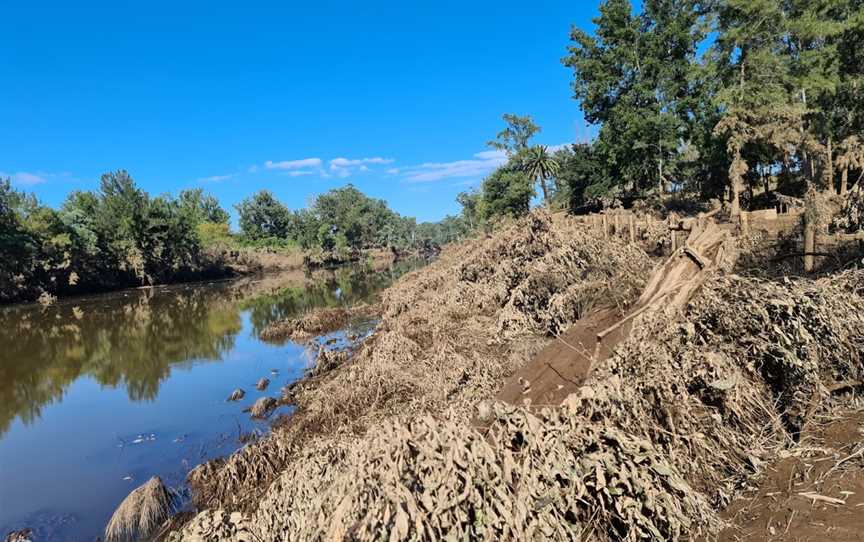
{"x":262,"y":216}
{"x":470,"y":202}
{"x":581,"y":175}
{"x":201,"y":207}
{"x":538,"y":164}
{"x":515,"y":136}
{"x":506,"y":193}
{"x":633,"y":77}
{"x":750,"y":60}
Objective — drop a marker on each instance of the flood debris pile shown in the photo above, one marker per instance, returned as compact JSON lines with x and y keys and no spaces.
{"x":529,"y":477}
{"x":142,"y":512}
{"x":447,"y":337}
{"x":850,"y":219}
{"x":316,"y":322}
{"x":658,"y":439}
{"x":215,"y":525}
{"x":719,"y":393}
{"x":448,"y":332}
{"x":327,"y":360}
{"x":263,"y":407}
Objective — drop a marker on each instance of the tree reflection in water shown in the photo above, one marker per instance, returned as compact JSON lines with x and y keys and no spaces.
{"x":134,"y":338}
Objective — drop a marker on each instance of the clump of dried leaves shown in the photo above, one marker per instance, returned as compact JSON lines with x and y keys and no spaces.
{"x":315,"y":322}
{"x":658,"y":439}
{"x":851,"y":216}
{"x":530,"y":476}
{"x":448,"y":334}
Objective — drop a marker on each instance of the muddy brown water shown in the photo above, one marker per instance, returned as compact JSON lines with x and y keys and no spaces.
{"x":98,"y":394}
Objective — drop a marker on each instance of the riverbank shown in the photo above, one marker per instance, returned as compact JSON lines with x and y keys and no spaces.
{"x":134,"y":384}
{"x":215,"y":263}
{"x":655,"y":441}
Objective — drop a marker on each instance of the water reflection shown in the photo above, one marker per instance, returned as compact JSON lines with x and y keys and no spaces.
{"x":133,"y":339}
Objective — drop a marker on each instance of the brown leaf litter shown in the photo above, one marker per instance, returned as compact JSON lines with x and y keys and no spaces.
{"x":661,"y":436}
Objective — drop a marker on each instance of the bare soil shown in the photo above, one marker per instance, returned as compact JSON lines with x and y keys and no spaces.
{"x":787,"y":505}
{"x":564,"y":364}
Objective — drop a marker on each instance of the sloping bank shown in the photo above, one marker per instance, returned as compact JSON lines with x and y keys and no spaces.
{"x":658,"y":439}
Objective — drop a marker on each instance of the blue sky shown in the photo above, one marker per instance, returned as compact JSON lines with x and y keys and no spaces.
{"x":397,"y":98}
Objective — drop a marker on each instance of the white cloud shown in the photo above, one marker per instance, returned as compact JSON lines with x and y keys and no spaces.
{"x":216,"y":178}
{"x":344,"y":167}
{"x":482,"y":163}
{"x":480,"y":166}
{"x":345,"y":162}
{"x":299,"y":173}
{"x":491,"y":155}
{"x":393,"y":171}
{"x":293,"y":164}
{"x":338,"y":167}
{"x":25,"y":178}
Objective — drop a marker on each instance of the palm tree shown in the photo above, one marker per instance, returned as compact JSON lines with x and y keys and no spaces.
{"x":540,"y":165}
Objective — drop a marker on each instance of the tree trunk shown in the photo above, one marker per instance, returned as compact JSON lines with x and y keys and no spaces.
{"x":545,"y":192}
{"x":844,"y":181}
{"x":830,"y":164}
{"x":735,"y":184}
{"x":809,"y":245}
{"x":735,"y":209}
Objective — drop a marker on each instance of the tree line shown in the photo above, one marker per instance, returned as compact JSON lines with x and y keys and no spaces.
{"x":341,"y":219}
{"x":729,"y":99}
{"x":119,"y":236}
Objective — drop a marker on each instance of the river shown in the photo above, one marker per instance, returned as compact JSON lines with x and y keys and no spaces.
{"x":98,"y":394}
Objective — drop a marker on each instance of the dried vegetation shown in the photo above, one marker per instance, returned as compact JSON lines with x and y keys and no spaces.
{"x":449,"y":333}
{"x":658,"y":439}
{"x":141,"y":512}
{"x":316,"y":322}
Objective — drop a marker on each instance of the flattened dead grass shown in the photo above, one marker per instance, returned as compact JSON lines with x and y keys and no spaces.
{"x":660,"y":437}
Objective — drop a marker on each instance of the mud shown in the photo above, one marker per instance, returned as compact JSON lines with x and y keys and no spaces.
{"x":787,"y":504}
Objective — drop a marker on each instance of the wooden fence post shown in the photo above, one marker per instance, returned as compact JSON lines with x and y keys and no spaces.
{"x":605,"y":225}
{"x":631,"y":224}
{"x":809,"y":244}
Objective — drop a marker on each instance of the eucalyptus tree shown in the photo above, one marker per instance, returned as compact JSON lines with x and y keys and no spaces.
{"x":633,"y":77}
{"x":263,"y":216}
{"x":515,"y":136}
